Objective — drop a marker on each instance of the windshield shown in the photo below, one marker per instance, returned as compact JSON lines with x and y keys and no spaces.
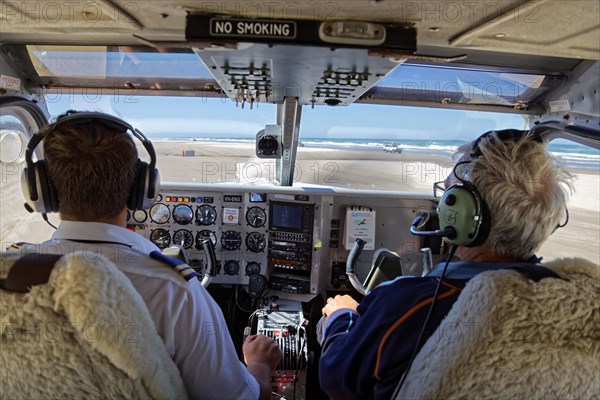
{"x":365,"y":147}
{"x":100,"y":62}
{"x":213,"y":140}
{"x":388,"y":147}
{"x":461,"y":85}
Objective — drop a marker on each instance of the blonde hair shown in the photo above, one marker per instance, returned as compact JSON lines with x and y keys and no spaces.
{"x":524,"y":187}
{"x":92,"y":168}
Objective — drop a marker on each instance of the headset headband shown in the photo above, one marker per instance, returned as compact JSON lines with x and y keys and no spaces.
{"x":504,"y":135}
{"x":73,"y":118}
{"x":80,"y":118}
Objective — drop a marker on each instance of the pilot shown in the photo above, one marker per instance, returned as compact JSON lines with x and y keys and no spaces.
{"x":367,"y":347}
{"x":93,"y":171}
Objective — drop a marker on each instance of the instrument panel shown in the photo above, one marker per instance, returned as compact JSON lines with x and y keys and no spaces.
{"x":235,"y":223}
{"x":292,"y":236}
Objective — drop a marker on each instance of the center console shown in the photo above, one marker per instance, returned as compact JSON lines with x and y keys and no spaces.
{"x":286,"y":325}
{"x":290,"y":246}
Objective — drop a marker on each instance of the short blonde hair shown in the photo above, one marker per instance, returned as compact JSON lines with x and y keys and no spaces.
{"x":92,"y":168}
{"x":524,"y":188}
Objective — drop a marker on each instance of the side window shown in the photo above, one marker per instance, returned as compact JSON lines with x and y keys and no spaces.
{"x":16,"y":224}
{"x":581,"y":236}
{"x":13,"y":140}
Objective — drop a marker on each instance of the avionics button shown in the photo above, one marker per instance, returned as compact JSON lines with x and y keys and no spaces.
{"x":168,"y":198}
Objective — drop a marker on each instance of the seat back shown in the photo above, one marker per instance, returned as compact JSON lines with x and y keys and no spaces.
{"x":510,"y":337}
{"x":75,"y":327}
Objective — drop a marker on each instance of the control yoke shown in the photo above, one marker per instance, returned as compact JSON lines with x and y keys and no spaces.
{"x":386,"y":266}
{"x":211,"y":261}
{"x":350,"y":264}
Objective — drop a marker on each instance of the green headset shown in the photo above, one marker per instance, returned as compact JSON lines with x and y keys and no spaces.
{"x":464,"y":217}
{"x":38,"y":190}
{"x":463,"y":212}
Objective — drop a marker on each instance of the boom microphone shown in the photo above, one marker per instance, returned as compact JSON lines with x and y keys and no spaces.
{"x":422,"y":219}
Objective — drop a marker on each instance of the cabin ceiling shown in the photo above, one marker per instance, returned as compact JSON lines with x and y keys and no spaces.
{"x":569,"y":29}
{"x":532,"y":46}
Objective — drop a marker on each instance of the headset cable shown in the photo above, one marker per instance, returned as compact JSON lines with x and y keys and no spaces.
{"x":416,"y":350}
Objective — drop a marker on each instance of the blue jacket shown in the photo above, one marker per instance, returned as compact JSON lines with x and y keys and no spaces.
{"x":365,"y":353}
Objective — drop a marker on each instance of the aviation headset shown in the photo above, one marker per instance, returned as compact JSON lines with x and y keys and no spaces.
{"x":464,"y":217}
{"x":38,"y":190}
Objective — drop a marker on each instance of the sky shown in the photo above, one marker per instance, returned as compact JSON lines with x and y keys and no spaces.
{"x":190,"y":117}
{"x":203,"y":117}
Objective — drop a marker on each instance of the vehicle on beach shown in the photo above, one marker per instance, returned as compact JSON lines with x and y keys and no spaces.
{"x":392,"y":148}
{"x":268,"y":120}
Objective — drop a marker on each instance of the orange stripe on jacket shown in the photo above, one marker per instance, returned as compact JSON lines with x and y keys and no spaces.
{"x":447,"y":284}
{"x":401,"y":320}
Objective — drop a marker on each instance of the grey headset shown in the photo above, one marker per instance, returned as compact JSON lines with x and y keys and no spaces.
{"x":38,"y":190}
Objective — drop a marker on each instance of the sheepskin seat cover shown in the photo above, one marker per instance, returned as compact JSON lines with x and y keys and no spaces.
{"x":508,"y":337}
{"x":85,"y":334}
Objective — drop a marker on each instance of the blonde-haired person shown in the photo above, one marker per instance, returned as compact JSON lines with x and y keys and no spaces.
{"x":368,"y":346}
{"x":94,"y":172}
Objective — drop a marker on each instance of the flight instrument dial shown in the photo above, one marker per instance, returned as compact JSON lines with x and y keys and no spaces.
{"x":183,"y":238}
{"x":159,"y":213}
{"x":206,"y":215}
{"x":161,"y":238}
{"x":256,"y":217}
{"x":253,"y":268}
{"x":231,"y":267}
{"x":140,"y":216}
{"x":183,"y":214}
{"x":231,"y":240}
{"x":255,"y":242}
{"x":205,"y":234}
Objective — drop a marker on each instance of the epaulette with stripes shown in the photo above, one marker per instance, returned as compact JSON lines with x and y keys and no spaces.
{"x":187,"y":272}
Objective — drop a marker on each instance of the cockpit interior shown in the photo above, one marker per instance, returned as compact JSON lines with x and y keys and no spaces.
{"x":285,"y":131}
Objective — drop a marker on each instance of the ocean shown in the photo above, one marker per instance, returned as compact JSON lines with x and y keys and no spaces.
{"x":570,"y":155}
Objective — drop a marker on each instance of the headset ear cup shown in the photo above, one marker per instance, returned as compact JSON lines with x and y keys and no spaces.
{"x":144,"y":186}
{"x":134,"y":192}
{"x":51,"y":197}
{"x":44,"y":191}
{"x":154,"y":189}
{"x":26,"y":187}
{"x":37,"y":188}
{"x":151,"y":181}
{"x":486,"y":224}
{"x":461,"y":208}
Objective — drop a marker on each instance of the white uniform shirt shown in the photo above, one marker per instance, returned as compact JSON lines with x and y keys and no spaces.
{"x":186,"y":317}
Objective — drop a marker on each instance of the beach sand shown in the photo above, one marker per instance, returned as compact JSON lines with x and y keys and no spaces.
{"x":215,"y":162}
